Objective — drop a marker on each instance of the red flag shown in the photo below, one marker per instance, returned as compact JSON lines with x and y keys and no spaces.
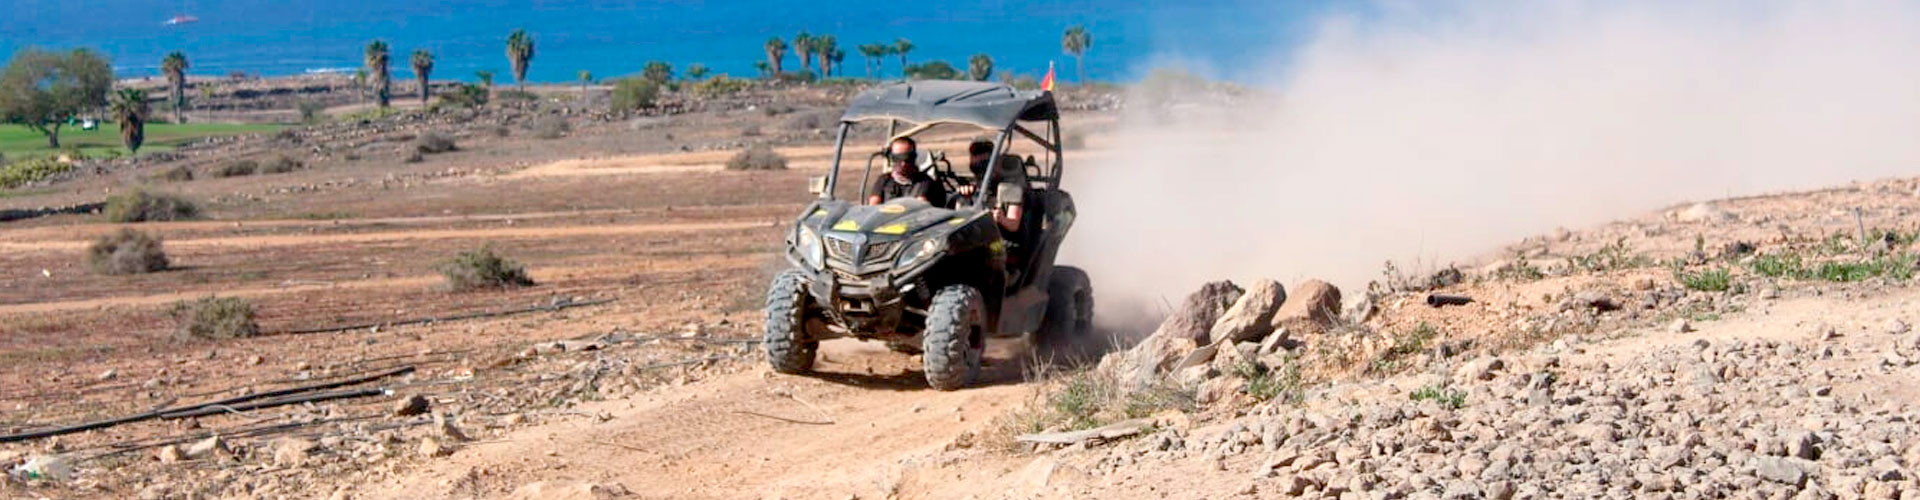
{"x":1047,"y":83}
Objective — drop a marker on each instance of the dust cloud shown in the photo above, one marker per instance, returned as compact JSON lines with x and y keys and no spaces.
{"x":1433,"y":132}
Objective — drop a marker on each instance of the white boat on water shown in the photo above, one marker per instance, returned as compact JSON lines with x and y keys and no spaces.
{"x":182,"y":19}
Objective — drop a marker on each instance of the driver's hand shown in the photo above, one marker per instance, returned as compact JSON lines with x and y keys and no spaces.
{"x":966,"y":189}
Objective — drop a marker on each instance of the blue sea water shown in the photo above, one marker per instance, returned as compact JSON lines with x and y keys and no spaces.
{"x":614,"y":38}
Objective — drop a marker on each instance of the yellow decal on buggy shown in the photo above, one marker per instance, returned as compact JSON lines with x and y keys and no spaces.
{"x":956,"y":221}
{"x":893,"y":209}
{"x":895,"y":228}
{"x":998,"y":247}
{"x":818,"y":212}
{"x":847,"y":225}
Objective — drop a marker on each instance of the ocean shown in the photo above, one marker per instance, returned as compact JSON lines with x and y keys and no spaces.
{"x":1223,"y":39}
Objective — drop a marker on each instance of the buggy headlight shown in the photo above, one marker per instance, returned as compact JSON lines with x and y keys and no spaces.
{"x":810,"y":249}
{"x":920,"y":251}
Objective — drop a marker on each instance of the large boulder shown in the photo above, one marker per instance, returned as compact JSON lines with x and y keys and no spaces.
{"x":1176,"y":338}
{"x":1201,"y":309}
{"x":1251,"y":317}
{"x":1313,"y":307}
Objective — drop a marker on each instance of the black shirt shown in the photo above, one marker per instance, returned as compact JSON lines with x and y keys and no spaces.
{"x":918,"y":185}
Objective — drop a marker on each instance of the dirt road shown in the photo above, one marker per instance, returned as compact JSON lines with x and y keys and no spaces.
{"x":859,"y":430}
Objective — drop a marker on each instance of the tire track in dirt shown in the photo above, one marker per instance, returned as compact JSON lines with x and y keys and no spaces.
{"x":407,"y":235}
{"x":542,"y":275}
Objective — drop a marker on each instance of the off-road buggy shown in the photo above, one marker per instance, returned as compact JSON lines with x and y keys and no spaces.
{"x":935,"y":280}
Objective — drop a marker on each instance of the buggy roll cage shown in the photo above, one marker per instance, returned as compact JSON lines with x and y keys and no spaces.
{"x":930,"y":103}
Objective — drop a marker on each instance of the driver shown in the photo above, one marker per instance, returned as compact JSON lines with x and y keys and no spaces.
{"x":903,"y":180}
{"x":1006,"y":212}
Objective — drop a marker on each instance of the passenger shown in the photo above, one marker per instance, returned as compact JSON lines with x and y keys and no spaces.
{"x":904,"y":179}
{"x":1012,"y":172}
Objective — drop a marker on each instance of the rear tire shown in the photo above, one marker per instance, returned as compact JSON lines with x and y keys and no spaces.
{"x":956,"y":324}
{"x":1066,"y":333}
{"x":788,"y":348}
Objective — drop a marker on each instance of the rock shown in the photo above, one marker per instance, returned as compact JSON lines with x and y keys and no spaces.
{"x":1312,"y":307}
{"x":412,"y":405}
{"x":1479,"y":369}
{"x":568,"y":490}
{"x":1275,"y":342}
{"x":1251,"y":317}
{"x":1789,"y":471}
{"x":1703,"y":212}
{"x":1591,"y":299}
{"x":1199,"y":311}
{"x":45,"y":467}
{"x":1220,"y":390}
{"x":170,"y":454}
{"x":206,"y":448}
{"x":1680,"y":326}
{"x":107,"y":375}
{"x":1292,"y":485}
{"x":431,"y":447}
{"x":448,"y":429}
{"x":1804,"y":446}
{"x":291,"y":452}
{"x":1895,"y":326}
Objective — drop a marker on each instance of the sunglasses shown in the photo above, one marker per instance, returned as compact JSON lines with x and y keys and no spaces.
{"x":899,"y":157}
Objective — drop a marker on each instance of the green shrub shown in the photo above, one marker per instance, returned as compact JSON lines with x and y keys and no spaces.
{"x":1450,"y":398}
{"x":311,"y":111}
{"x":142,"y":206}
{"x":1718,"y":279}
{"x":279,"y":165}
{"x":1847,"y":271}
{"x":634,"y":93}
{"x":1611,"y":257}
{"x":720,"y":86}
{"x":551,"y":127}
{"x":126,"y":252}
{"x":434,"y":143}
{"x":215,"y":318}
{"x":518,"y":95}
{"x":22,"y":172}
{"x":757,"y":157}
{"x":1088,"y":399}
{"x":179,"y":173}
{"x":1405,"y":345}
{"x":1779,"y":266}
{"x":464,"y":96}
{"x":237,"y":168}
{"x":482,"y":268}
{"x":1276,"y":383}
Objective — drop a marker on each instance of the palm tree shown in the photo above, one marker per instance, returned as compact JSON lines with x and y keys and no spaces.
{"x":900,"y":48}
{"x":175,"y":66}
{"x":486,"y":78}
{"x":519,"y":53}
{"x":823,"y":47}
{"x":776,"y":53}
{"x":422,"y":67}
{"x":803,"y":50}
{"x":837,"y":56}
{"x":360,"y":83}
{"x":980,"y":67}
{"x":1075,"y":42}
{"x":129,"y":107}
{"x":872,"y":52}
{"x":586,"y":77}
{"x":697,"y":71}
{"x":377,"y":67}
{"x":766,"y":70}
